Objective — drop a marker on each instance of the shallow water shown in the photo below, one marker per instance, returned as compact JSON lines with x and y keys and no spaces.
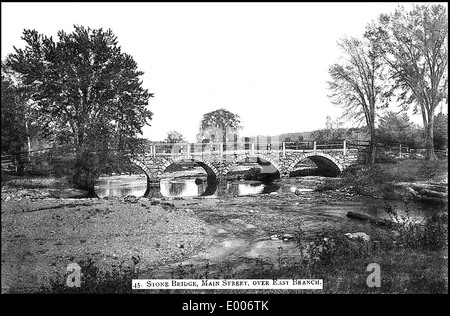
{"x":136,"y":185}
{"x":121,"y":186}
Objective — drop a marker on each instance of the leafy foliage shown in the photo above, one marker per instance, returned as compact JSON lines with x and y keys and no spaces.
{"x":432,"y":234}
{"x":219,"y":126}
{"x":440,"y":132}
{"x":13,"y":110}
{"x":415,"y":47}
{"x":87,"y":95}
{"x":95,"y":281}
{"x":174,"y":137}
{"x":357,"y":82}
{"x":397,"y":129}
{"x":332,"y":132}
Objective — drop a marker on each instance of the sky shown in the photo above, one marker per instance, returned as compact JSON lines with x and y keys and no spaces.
{"x":266,"y":62}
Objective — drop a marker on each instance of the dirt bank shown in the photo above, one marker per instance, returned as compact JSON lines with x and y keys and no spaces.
{"x":41,"y":237}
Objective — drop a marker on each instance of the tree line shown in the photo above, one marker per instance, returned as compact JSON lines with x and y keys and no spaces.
{"x":393,"y":128}
{"x":402,"y":57}
{"x":83,"y":95}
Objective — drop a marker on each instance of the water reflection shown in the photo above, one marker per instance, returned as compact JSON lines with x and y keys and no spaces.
{"x":121,"y":186}
{"x":182,"y":188}
{"x":189,"y":188}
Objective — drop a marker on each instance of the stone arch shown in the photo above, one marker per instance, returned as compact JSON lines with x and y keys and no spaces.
{"x":245,"y":156}
{"x":144,"y":168}
{"x":147,"y":172}
{"x":208,"y":166}
{"x":321,"y":156}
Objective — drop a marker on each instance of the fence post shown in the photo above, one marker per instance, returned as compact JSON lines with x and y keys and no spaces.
{"x":188,"y":150}
{"x":400,"y":150}
{"x":284,"y":149}
{"x":253,"y":148}
{"x":221,"y":148}
{"x":314,"y":144}
{"x":345,"y":147}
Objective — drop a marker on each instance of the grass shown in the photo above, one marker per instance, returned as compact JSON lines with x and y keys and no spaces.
{"x":34,"y":182}
{"x":416,"y":170}
{"x":402,"y":271}
{"x":94,"y":280}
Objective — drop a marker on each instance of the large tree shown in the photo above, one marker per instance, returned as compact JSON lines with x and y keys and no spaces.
{"x":414,"y":45}
{"x":356,"y":83}
{"x":174,"y":137}
{"x":85,"y":92}
{"x":219,"y":126}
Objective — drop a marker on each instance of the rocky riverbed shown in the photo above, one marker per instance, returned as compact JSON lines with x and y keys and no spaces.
{"x":42,"y":233}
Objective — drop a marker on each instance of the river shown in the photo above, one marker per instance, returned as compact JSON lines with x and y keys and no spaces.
{"x":136,"y":185}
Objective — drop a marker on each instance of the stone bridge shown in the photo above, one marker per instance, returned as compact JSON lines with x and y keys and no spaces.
{"x":217,"y":159}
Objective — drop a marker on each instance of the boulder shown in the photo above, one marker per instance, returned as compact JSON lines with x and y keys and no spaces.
{"x":359,"y":236}
{"x":236,"y":221}
{"x":274,"y":237}
{"x":377,"y":221}
{"x":131,"y":199}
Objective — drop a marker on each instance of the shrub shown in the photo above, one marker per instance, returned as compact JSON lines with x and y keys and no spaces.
{"x":252,"y":174}
{"x":94,"y":280}
{"x":431,"y":234}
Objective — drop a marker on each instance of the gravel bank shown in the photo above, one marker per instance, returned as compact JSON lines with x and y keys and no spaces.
{"x":40,"y":237}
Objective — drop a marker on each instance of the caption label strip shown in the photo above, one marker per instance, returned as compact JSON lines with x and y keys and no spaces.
{"x":221,"y":284}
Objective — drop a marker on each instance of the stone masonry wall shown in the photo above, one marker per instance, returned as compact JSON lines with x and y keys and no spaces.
{"x":219,"y":165}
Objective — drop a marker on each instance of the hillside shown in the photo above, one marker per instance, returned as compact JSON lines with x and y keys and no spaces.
{"x":347,"y":133}
{"x":287,"y":136}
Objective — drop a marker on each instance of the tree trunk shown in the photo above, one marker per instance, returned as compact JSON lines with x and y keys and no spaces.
{"x":373,"y":145}
{"x":84,"y":177}
{"x":429,"y":136}
{"x":373,"y":149}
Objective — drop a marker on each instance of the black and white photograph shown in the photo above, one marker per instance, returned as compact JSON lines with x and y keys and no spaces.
{"x":224,"y":148}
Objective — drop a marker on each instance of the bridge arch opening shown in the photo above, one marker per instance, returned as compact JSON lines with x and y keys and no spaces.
{"x":315,"y":165}
{"x":189,"y":164}
{"x":130,"y":178}
{"x":255,"y":167}
{"x":188,"y":177}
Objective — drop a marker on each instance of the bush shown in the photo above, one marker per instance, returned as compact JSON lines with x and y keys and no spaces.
{"x":384,"y":157}
{"x":93,"y":280}
{"x":252,"y":174}
{"x":432,"y":234}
